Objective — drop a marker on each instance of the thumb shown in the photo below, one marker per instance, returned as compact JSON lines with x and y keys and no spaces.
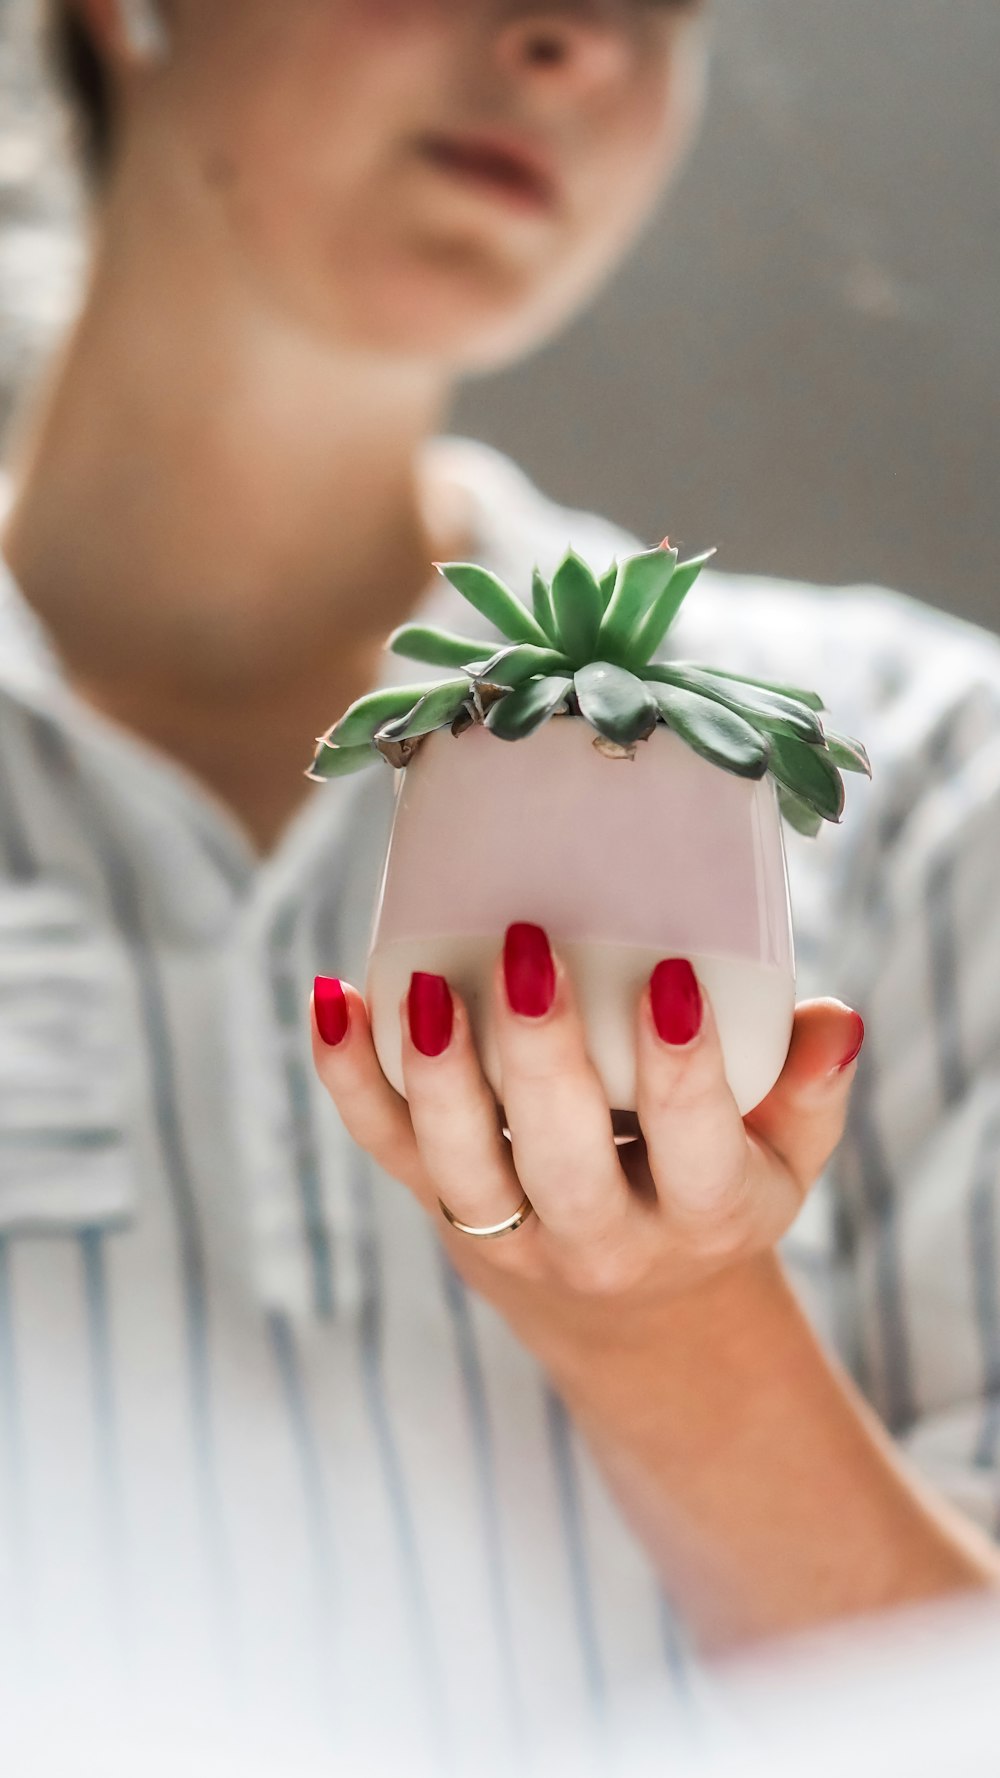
{"x":802,"y":1118}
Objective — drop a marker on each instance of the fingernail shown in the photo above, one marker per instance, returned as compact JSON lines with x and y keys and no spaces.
{"x":332,"y":1012}
{"x":529,"y":971}
{"x":432,"y":1013}
{"x":856,"y":1042}
{"x":676,"y":1000}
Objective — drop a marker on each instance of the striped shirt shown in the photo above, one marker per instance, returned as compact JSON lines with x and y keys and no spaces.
{"x":260,"y":1451}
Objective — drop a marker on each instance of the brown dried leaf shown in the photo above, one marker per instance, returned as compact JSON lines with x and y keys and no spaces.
{"x":399,"y":753}
{"x":485,"y":694}
{"x":612,"y":749}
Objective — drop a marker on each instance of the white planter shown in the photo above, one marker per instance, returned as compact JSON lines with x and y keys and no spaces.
{"x":623,"y":862}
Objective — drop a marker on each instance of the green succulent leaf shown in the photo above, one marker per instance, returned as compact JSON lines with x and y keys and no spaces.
{"x":391,"y":731}
{"x":495,"y":601}
{"x":513,"y":665}
{"x":339,"y":762}
{"x":524,"y":710}
{"x":541,"y":604}
{"x":641,"y":580}
{"x":578,"y":608}
{"x":435,"y":710}
{"x":795,"y":692}
{"x":368,"y":714}
{"x":798,"y":814}
{"x":809,"y":772}
{"x":718,"y":734}
{"x":441,"y":648}
{"x":607,"y":583}
{"x":848,"y":754}
{"x":763,"y":709}
{"x":652,"y":628}
{"x":615,"y":702}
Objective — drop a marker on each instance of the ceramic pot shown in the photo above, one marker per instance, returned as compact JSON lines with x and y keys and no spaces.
{"x":623,"y":862}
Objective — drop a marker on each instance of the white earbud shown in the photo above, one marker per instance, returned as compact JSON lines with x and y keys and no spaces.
{"x":145,"y":31}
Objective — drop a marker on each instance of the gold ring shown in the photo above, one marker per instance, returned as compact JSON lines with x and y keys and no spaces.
{"x":520,"y":1215}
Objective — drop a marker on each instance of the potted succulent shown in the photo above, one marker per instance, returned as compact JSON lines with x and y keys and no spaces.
{"x":632,"y":807}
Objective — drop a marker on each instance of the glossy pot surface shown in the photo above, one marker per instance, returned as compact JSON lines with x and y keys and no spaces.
{"x":623,"y":862}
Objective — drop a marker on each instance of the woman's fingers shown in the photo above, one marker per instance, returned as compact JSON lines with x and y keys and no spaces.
{"x":802,"y":1119}
{"x":453,"y":1111}
{"x":372,"y":1111}
{"x":706,"y":1173}
{"x":446,"y":1142}
{"x":743,"y":1181}
{"x":556,"y":1108}
{"x":723,"y":1185}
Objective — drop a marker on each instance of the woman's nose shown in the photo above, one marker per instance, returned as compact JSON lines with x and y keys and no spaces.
{"x":573,"y":49}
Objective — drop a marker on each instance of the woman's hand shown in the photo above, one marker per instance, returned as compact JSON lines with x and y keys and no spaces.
{"x":647,"y":1286}
{"x":617,"y":1231}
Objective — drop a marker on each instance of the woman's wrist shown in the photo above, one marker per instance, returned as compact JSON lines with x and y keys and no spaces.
{"x":729,"y":1321}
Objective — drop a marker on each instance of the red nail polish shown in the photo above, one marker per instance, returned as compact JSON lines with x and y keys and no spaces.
{"x":432,"y":1013}
{"x":332,"y":1012}
{"x":529,"y":971}
{"x":676,"y":1000}
{"x":859,"y":1038}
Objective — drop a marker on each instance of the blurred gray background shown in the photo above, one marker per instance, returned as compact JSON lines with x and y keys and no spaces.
{"x":801,"y":360}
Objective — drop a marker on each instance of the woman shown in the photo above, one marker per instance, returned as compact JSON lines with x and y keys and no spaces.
{"x":260,"y":1436}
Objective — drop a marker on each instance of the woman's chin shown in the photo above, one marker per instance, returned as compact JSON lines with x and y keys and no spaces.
{"x":445,"y":299}
{"x":454,"y":300}
{"x":465,"y":335}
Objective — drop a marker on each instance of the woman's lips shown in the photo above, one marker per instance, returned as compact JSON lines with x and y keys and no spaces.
{"x":501,"y":166}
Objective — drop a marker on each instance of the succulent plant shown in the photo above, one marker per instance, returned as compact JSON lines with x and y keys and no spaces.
{"x":585,"y":648}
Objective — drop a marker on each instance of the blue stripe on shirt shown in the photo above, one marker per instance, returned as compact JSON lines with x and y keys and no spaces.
{"x":422,"y":1634}
{"x":482,"y":1436}
{"x":13,"y":1462}
{"x":317,"y":1510}
{"x":881,"y":1207}
{"x":572,"y":1524}
{"x":290,"y":1017}
{"x":126,"y":903}
{"x":112,"y":1499}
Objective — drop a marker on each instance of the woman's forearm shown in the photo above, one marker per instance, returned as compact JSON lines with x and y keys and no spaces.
{"x":761,"y":1483}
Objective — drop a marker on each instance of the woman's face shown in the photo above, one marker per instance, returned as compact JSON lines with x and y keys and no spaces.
{"x":323,"y":134}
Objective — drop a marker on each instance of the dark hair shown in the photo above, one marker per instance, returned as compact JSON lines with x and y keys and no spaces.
{"x":84,"y":81}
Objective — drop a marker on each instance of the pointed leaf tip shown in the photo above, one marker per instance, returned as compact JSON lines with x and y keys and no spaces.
{"x":541,"y":604}
{"x":339,"y":762}
{"x":441,"y":648}
{"x":661,"y":610}
{"x":496,"y":602}
{"x":642,"y":582}
{"x":577,"y":607}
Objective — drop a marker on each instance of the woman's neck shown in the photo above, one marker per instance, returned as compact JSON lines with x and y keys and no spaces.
{"x":219,"y":520}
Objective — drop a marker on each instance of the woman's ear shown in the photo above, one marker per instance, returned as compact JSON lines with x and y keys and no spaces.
{"x":127,"y":32}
